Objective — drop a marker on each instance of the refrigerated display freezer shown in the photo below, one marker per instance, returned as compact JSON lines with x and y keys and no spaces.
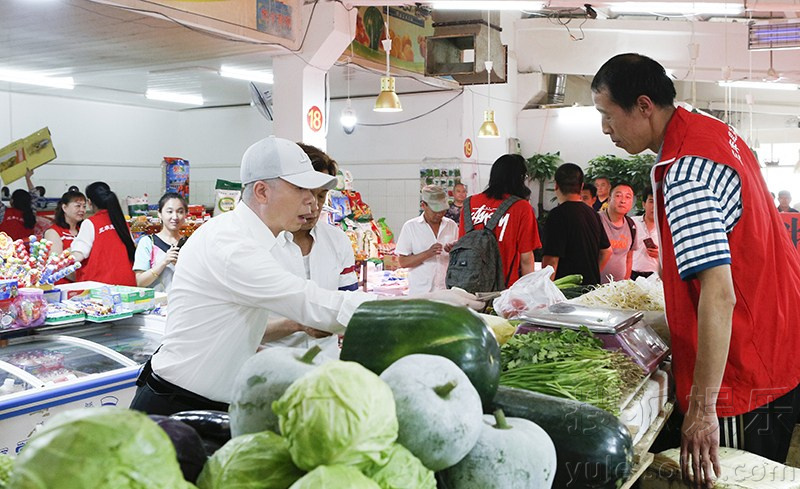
{"x":66,"y":368}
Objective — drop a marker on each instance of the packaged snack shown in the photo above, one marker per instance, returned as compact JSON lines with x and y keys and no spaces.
{"x":176,"y":176}
{"x":31,"y":307}
{"x":226,"y":196}
{"x":137,"y":206}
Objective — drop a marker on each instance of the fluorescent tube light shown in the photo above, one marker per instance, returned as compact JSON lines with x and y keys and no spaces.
{"x":759,"y":85}
{"x":683,"y":8}
{"x":178,"y":98}
{"x":28,"y":78}
{"x":487,"y":5}
{"x":249,"y":75}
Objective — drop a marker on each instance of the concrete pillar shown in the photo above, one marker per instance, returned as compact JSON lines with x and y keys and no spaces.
{"x":299,"y":104}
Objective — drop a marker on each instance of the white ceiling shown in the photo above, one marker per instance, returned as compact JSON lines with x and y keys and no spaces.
{"x":115,"y":55}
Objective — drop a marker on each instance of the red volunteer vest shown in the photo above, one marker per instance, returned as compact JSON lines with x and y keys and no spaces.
{"x":14,"y":225}
{"x":64,"y":234}
{"x":762,"y":359}
{"x":108,"y":262}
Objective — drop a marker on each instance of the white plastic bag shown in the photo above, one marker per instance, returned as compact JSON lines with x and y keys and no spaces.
{"x":532,"y":291}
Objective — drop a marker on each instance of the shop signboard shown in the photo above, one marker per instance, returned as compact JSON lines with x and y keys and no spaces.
{"x":26,"y":153}
{"x":408,"y":28}
{"x":792,"y":222}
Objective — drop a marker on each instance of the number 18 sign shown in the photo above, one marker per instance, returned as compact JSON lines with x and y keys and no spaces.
{"x":314,"y":118}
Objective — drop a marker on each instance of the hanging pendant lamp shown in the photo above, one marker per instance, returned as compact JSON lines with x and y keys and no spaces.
{"x":387,"y":100}
{"x":489,"y":128}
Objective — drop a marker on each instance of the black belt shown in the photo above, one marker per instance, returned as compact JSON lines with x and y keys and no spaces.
{"x":161,"y":386}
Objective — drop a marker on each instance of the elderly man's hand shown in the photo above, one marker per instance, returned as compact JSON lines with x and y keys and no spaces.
{"x":315,"y":333}
{"x":455,"y":296}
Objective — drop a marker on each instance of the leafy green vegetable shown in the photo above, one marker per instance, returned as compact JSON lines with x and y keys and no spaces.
{"x":6,"y":465}
{"x":338,"y":414}
{"x":335,"y":477}
{"x":105,"y":448}
{"x":252,"y":461}
{"x":402,"y":471}
{"x":569,"y":364}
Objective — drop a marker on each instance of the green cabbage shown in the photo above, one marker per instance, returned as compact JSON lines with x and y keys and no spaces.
{"x":335,"y":477}
{"x":402,"y":471}
{"x":338,"y":414}
{"x":6,"y":465}
{"x":98,"y":448}
{"x":252,"y":461}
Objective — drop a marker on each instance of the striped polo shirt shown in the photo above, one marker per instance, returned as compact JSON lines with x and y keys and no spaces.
{"x":702,"y":204}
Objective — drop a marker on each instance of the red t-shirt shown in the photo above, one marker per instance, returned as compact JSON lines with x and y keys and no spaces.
{"x":516,"y":232}
{"x":65,"y":235}
{"x":14,"y":225}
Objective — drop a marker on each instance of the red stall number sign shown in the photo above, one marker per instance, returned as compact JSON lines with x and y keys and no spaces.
{"x":314,"y":117}
{"x":468,"y":148}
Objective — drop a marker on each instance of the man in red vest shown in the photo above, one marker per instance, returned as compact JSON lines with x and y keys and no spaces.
{"x":730,"y":272}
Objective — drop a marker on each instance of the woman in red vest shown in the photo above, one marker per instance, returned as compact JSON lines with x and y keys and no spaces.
{"x":19,"y":220}
{"x":70,"y":211}
{"x":104,"y":245}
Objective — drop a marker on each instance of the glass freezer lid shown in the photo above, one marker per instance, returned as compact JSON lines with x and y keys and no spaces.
{"x":135,"y":343}
{"x":573,"y":316}
{"x":55,"y":359}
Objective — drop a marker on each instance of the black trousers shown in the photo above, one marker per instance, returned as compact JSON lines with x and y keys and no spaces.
{"x":157,"y":396}
{"x":764,"y":431}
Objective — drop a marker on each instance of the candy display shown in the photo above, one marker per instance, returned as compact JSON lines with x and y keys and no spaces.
{"x":34,"y":265}
{"x":63,"y":313}
{"x":31,"y":307}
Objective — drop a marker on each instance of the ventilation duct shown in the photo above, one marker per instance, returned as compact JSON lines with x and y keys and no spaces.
{"x":554,"y":96}
{"x":459,"y":48}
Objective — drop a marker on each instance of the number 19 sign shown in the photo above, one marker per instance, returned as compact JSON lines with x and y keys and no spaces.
{"x":314,"y":118}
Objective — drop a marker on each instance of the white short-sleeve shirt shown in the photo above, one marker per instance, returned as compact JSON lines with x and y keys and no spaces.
{"x":416,"y":237}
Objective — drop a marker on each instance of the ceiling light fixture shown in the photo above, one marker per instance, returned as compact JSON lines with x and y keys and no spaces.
{"x":249,"y":75}
{"x":28,"y":78}
{"x":489,"y":128}
{"x":178,"y":98}
{"x":759,"y":85}
{"x":678,"y":8}
{"x":348,"y":118}
{"x":387,"y":101}
{"x":487,"y":5}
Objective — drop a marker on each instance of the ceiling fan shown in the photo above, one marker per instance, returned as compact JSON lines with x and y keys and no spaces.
{"x":772,"y":73}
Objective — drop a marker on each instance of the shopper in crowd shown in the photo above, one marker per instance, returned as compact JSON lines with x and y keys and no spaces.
{"x":785,"y":202}
{"x":37,"y":191}
{"x":589,"y":195}
{"x":156,"y":254}
{"x":603,"y":188}
{"x":69,"y":213}
{"x":227,"y":284}
{"x":517,"y":234}
{"x":621,"y":231}
{"x":729,"y":268}
{"x":645,"y":257}
{"x":104,"y":245}
{"x":575,"y":240}
{"x":319,"y":252}
{"x":425,"y":241}
{"x":456,"y":208}
{"x":18,"y":220}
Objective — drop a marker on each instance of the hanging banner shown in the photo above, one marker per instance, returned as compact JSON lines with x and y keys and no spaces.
{"x":26,"y":153}
{"x":408,"y":28}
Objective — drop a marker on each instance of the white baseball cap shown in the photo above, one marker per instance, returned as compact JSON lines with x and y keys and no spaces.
{"x":280,"y":158}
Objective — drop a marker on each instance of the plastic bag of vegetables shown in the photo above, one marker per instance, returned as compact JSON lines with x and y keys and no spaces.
{"x":402,"y":471}
{"x":335,"y":477}
{"x":253,"y":461}
{"x":106,"y":448}
{"x":338,"y":414}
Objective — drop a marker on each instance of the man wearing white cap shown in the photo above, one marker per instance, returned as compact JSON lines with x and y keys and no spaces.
{"x":424,"y":243}
{"x":227,"y":283}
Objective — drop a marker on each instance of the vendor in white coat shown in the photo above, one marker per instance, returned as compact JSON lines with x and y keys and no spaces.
{"x":320,"y":252}
{"x":425,"y":241}
{"x":227,"y":284}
